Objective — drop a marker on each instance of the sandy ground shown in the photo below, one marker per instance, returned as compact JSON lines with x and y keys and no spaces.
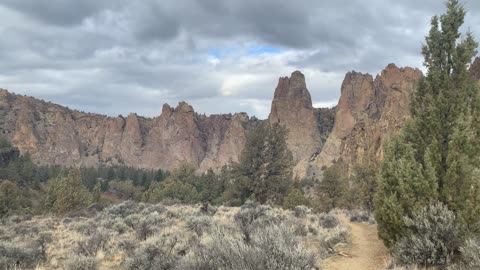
{"x":367,"y":251}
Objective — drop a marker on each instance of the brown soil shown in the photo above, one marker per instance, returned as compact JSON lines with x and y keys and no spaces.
{"x":366,"y":252}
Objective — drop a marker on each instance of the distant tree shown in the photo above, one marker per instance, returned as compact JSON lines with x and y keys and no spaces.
{"x":160,"y":175}
{"x":294,"y":198}
{"x":97,"y":192}
{"x":331,"y":189}
{"x":125,"y":190}
{"x":235,"y":186}
{"x":210,"y":186}
{"x":180,"y":185}
{"x":265,"y":165}
{"x":363,"y":185}
{"x":67,"y":193}
{"x":437,"y":155}
{"x":11,"y":198}
{"x":5,"y":142}
{"x":171,"y":189}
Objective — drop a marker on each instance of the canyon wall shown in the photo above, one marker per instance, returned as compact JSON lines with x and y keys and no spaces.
{"x":369,"y":111}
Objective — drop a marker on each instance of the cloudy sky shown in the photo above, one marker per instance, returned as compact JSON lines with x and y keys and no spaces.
{"x":120,"y":56}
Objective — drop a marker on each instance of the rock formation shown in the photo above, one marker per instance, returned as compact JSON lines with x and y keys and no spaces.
{"x":53,"y":134}
{"x":368,"y":113}
{"x":292,"y":107}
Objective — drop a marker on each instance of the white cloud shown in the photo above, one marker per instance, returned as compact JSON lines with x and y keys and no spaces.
{"x":119,"y":56}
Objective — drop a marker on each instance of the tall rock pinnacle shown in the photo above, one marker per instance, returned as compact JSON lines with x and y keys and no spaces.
{"x":368,"y":113}
{"x":292,"y":107}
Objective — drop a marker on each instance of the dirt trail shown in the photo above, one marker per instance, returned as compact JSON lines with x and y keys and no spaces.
{"x":367,"y":251}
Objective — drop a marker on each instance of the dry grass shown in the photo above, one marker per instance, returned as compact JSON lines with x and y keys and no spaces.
{"x":114,"y":235}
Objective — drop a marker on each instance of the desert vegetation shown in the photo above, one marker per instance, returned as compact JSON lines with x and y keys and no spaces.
{"x":133,"y":235}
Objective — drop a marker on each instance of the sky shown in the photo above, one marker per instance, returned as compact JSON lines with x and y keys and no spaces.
{"x":221,"y":56}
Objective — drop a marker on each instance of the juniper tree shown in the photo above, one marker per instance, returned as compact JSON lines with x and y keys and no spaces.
{"x":332,"y":188}
{"x":265,"y":165}
{"x":436,"y":155}
{"x":67,"y":193}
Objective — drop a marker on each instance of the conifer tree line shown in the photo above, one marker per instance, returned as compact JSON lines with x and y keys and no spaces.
{"x":263,"y":173}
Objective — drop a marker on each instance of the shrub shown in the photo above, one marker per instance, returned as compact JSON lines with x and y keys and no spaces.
{"x":42,"y":241}
{"x":75,"y":262}
{"x":359,"y":216}
{"x":207,"y":209}
{"x":85,"y":227}
{"x":271,"y":247}
{"x":279,"y":249}
{"x":89,"y":246}
{"x":470,"y":252}
{"x":328,"y":221}
{"x":148,"y":225}
{"x":120,"y":227}
{"x":19,"y":256}
{"x":125,"y":209}
{"x":301,"y":230}
{"x":128,"y":245}
{"x":336,"y":236}
{"x":154,"y":208}
{"x":159,"y":253}
{"x":199,"y":224}
{"x":432,"y":237}
{"x":301,"y":211}
{"x":248,"y":216}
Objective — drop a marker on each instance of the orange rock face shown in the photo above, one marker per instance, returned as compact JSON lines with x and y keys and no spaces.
{"x":292,"y":107}
{"x":53,"y":134}
{"x":369,"y":111}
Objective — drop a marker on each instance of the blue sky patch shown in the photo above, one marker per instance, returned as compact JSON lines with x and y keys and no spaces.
{"x":236,"y":51}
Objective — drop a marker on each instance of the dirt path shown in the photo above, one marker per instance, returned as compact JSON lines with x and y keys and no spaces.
{"x":367,"y":252}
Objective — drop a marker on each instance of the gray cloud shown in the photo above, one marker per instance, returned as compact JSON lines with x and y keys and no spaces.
{"x":119,"y":56}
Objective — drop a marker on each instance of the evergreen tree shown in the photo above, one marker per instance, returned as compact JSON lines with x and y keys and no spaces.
{"x":436,"y":157}
{"x":11,"y":198}
{"x":295,"y":198}
{"x":97,"y":193}
{"x":363,"y":184}
{"x":332,"y":188}
{"x":67,"y":193}
{"x":125,"y":190}
{"x":183,"y":185}
{"x":265,"y":165}
{"x":211,"y":186}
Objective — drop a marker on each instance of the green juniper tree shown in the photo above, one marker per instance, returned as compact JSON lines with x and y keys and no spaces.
{"x":436,"y":157}
{"x":266,"y":164}
{"x":67,"y":193}
{"x":332,"y":189}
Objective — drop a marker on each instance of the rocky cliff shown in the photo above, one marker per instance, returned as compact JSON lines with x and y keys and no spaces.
{"x":54,"y":134}
{"x":308,"y":127}
{"x":369,"y":111}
